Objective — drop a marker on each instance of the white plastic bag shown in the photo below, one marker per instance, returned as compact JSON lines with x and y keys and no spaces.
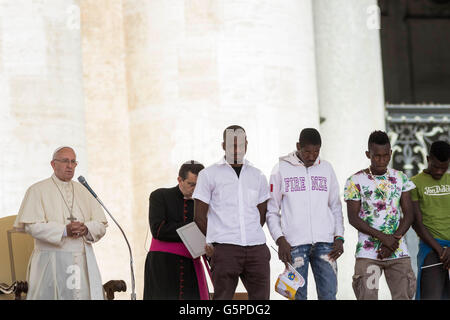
{"x":288,"y":282}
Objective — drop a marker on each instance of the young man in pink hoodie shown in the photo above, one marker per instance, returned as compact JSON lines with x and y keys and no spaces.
{"x":309,"y":229}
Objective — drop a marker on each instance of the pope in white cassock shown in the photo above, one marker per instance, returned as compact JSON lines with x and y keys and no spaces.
{"x":64,"y":219}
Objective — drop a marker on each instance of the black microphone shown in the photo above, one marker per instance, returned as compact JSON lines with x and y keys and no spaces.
{"x":83,"y":181}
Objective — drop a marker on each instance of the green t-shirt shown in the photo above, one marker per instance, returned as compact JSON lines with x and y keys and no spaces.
{"x":434,"y":200}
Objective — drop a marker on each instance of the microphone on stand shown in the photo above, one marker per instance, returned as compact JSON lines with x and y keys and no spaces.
{"x":83,"y":181}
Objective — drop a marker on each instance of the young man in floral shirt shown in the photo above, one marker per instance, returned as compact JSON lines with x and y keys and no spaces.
{"x":374,"y":197}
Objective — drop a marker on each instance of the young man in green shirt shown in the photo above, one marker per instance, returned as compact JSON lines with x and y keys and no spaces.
{"x":431,"y":202}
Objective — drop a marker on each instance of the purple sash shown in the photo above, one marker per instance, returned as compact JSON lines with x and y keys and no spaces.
{"x":180,"y":249}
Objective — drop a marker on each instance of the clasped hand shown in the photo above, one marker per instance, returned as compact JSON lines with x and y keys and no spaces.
{"x":389,"y":244}
{"x":76,"y":229}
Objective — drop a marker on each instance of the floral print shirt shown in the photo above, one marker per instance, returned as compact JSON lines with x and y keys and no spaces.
{"x":380,"y":208}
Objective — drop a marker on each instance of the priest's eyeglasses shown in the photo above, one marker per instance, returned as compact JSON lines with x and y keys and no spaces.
{"x":67,"y":161}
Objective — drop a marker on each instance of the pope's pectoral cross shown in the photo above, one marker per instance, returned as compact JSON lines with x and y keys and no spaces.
{"x":71,"y":218}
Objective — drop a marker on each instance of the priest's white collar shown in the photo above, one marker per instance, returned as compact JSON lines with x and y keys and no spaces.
{"x":59,"y":181}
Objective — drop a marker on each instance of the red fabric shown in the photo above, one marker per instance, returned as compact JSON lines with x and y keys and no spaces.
{"x":180,"y":249}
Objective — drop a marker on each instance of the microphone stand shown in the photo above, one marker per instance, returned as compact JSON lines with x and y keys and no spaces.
{"x":133,"y":283}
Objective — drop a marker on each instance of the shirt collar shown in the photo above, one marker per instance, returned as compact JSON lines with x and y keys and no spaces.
{"x":180,"y":194}
{"x":60,"y":182}
{"x":222,"y":161}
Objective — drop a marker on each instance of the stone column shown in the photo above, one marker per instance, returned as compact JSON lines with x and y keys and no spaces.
{"x":351,"y":99}
{"x":195,"y":67}
{"x":107,"y":129}
{"x":40,"y":92}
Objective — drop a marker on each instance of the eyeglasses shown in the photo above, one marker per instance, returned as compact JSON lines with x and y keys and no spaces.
{"x":67,"y":161}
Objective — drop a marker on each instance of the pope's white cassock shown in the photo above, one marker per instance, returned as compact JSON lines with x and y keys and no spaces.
{"x":61,"y":267}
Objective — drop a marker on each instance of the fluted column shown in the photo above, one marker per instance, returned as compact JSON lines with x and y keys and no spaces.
{"x":351,"y":99}
{"x":107,"y":129}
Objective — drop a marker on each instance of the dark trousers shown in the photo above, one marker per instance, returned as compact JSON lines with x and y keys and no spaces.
{"x":249,"y":263}
{"x":434,"y":282}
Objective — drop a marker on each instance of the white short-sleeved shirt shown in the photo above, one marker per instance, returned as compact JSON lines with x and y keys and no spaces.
{"x":233,"y":216}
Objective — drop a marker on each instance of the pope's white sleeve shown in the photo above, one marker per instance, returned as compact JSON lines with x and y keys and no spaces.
{"x":96,"y":230}
{"x":273,"y":216}
{"x":51,"y":232}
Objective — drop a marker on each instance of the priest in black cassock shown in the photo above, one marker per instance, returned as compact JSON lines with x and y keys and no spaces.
{"x":170,"y":271}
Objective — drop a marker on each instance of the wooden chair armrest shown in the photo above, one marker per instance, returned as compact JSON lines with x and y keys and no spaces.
{"x":17,"y":288}
{"x":114,"y":286}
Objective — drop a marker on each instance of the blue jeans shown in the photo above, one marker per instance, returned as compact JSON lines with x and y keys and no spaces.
{"x":324,"y":270}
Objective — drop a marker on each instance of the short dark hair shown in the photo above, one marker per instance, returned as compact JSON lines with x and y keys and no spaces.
{"x":310,"y":136}
{"x":378,"y":137}
{"x":440,"y":150}
{"x":234,"y":128}
{"x":190,"y":166}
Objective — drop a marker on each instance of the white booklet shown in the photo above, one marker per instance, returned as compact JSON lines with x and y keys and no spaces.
{"x":193,"y":239}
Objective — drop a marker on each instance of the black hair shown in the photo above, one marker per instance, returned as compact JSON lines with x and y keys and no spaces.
{"x":190,"y":166}
{"x":234,"y":128}
{"x":378,"y":137}
{"x":310,"y":136}
{"x":440,"y":150}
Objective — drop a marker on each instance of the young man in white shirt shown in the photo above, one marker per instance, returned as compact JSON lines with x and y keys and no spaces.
{"x":309,"y":229}
{"x":230,"y":204}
